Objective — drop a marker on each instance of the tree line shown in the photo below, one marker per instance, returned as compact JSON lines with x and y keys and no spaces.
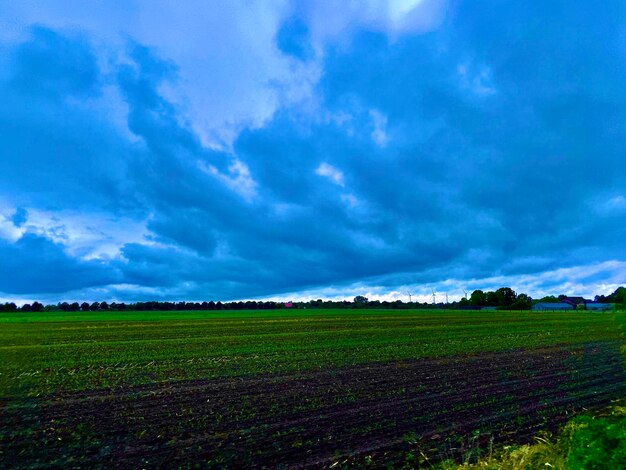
{"x":503,"y":298}
{"x":139,"y":306}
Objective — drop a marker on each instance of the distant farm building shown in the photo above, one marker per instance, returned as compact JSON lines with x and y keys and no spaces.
{"x":553,"y":306}
{"x":576,"y":302}
{"x":489,"y":308}
{"x":599,"y":306}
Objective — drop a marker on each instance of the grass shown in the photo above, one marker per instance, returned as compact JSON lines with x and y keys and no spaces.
{"x":586,"y":442}
{"x":50,"y":352}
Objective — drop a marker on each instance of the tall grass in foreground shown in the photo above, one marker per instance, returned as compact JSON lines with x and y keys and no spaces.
{"x":585,"y":442}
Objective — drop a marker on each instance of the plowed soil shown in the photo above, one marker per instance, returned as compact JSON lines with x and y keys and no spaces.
{"x":378,"y":412}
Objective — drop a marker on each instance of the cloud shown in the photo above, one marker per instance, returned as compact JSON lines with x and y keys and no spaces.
{"x":330,"y":172}
{"x":34,"y":264}
{"x":220,"y":94}
{"x":293,"y":39}
{"x":610,"y":207}
{"x":19,"y":217}
{"x":479,"y":83}
{"x":55,"y":66}
{"x":379,"y":134}
{"x":238,"y":178}
{"x":350,"y":199}
{"x":394,"y":18}
{"x":53,"y":144}
{"x":9,"y":230}
{"x":386,"y":145}
{"x":94,"y":235}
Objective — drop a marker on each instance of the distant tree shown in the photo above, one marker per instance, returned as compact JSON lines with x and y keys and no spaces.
{"x":360,"y":300}
{"x":549,"y":299}
{"x":74,"y":307}
{"x":104,"y":306}
{"x":478,"y":298}
{"x":37,"y":307}
{"x":522,"y":302}
{"x":506,"y":296}
{"x":618,"y":296}
{"x":94,"y":306}
{"x":492,"y":299}
{"x":84,"y":307}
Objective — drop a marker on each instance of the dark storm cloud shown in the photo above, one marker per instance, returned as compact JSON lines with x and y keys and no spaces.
{"x":490,"y":147}
{"x":527,"y":148}
{"x":56,"y":151}
{"x":37,"y":261}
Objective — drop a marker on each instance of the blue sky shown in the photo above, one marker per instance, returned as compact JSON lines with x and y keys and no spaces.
{"x":275,"y":149}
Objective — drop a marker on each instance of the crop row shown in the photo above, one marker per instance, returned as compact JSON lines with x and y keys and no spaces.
{"x":43,"y":357}
{"x":314,"y":418}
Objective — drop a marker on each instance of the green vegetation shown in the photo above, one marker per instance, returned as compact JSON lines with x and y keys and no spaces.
{"x":586,"y":442}
{"x":66,"y":386}
{"x":56,"y":351}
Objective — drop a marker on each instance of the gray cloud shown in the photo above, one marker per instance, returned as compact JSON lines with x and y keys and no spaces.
{"x":491,"y":148}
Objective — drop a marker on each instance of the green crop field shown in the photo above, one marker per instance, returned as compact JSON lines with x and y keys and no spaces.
{"x":247,"y":388}
{"x":43,"y":353}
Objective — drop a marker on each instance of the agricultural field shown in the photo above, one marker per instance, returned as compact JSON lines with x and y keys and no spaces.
{"x":301,"y":389}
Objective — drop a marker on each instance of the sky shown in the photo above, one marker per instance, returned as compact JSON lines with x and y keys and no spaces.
{"x":273,"y":149}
